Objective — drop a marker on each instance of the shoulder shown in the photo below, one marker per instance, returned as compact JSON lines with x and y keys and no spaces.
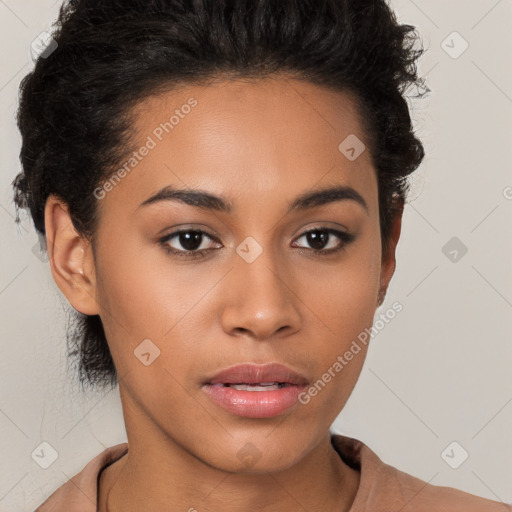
{"x":421,"y":496}
{"x":79,"y":493}
{"x":387,"y":489}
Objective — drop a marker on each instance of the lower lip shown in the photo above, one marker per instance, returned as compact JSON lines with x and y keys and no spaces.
{"x":254,"y":404}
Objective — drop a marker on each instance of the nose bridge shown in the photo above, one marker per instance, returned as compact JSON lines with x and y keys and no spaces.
{"x":262,"y":274}
{"x":260,"y":298}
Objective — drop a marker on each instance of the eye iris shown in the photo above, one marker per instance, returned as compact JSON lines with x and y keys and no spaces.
{"x":317,"y":239}
{"x":190,"y":240}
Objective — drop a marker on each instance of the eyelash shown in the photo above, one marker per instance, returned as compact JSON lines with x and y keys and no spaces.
{"x":346,"y":239}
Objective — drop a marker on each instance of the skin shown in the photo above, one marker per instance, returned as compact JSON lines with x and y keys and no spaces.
{"x":260,"y":144}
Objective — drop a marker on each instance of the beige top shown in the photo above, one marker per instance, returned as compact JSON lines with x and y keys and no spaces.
{"x":382,"y":487}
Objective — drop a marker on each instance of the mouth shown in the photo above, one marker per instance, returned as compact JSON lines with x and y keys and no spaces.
{"x":255,"y":391}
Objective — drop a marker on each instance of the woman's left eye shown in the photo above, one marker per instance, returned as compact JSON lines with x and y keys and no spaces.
{"x":191,"y":242}
{"x":319,"y":237}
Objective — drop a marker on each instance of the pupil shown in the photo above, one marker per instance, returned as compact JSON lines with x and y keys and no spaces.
{"x":190,"y":240}
{"x":317,"y":239}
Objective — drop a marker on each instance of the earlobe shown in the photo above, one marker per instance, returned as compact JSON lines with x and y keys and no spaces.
{"x":71,"y":259}
{"x":389,"y":257}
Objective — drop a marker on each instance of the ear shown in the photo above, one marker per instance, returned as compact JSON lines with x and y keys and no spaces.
{"x":388,"y":264}
{"x":71,"y":258}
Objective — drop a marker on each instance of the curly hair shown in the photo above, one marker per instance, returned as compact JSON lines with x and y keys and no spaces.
{"x":76,"y":105}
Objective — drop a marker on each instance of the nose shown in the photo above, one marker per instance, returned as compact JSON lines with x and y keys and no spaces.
{"x":260,"y":301}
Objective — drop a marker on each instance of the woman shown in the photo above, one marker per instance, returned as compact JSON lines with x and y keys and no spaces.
{"x":221,"y":187}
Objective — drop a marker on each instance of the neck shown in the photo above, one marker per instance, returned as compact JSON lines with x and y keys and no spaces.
{"x":320,"y":482}
{"x":159,"y":474}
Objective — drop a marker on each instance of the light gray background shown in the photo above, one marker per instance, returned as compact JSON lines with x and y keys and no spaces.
{"x":439,"y":372}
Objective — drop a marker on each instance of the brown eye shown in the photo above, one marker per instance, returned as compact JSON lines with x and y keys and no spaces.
{"x":186,"y":243}
{"x":319,"y":238}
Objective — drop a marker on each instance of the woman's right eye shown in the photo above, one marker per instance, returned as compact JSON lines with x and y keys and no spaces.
{"x":190,"y":241}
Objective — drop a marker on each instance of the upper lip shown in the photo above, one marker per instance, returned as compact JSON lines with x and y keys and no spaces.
{"x":251,"y":373}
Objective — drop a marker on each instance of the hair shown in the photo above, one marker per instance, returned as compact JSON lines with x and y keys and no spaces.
{"x":76,"y":106}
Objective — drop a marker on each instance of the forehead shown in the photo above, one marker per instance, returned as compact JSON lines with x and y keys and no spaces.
{"x":259,"y":140}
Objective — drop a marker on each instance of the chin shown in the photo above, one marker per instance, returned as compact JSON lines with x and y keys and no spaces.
{"x":252,"y":454}
{"x":255,"y":464}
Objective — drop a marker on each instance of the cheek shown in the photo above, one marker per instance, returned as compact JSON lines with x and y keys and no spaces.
{"x":344,"y":296}
{"x":127,"y":301}
{"x":135,"y":286}
{"x":147,"y":297}
{"x":344,"y":302}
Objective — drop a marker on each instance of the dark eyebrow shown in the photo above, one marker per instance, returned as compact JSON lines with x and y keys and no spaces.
{"x":326,"y":195}
{"x":192,"y":197}
{"x":207,"y":201}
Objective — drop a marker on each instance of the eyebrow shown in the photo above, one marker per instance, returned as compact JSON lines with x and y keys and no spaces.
{"x":207,"y":201}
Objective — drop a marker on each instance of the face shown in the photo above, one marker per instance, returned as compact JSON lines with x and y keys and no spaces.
{"x":243,"y":283}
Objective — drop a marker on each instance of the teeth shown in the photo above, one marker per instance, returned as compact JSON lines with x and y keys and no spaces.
{"x":255,"y":387}
{"x":261,"y":386}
